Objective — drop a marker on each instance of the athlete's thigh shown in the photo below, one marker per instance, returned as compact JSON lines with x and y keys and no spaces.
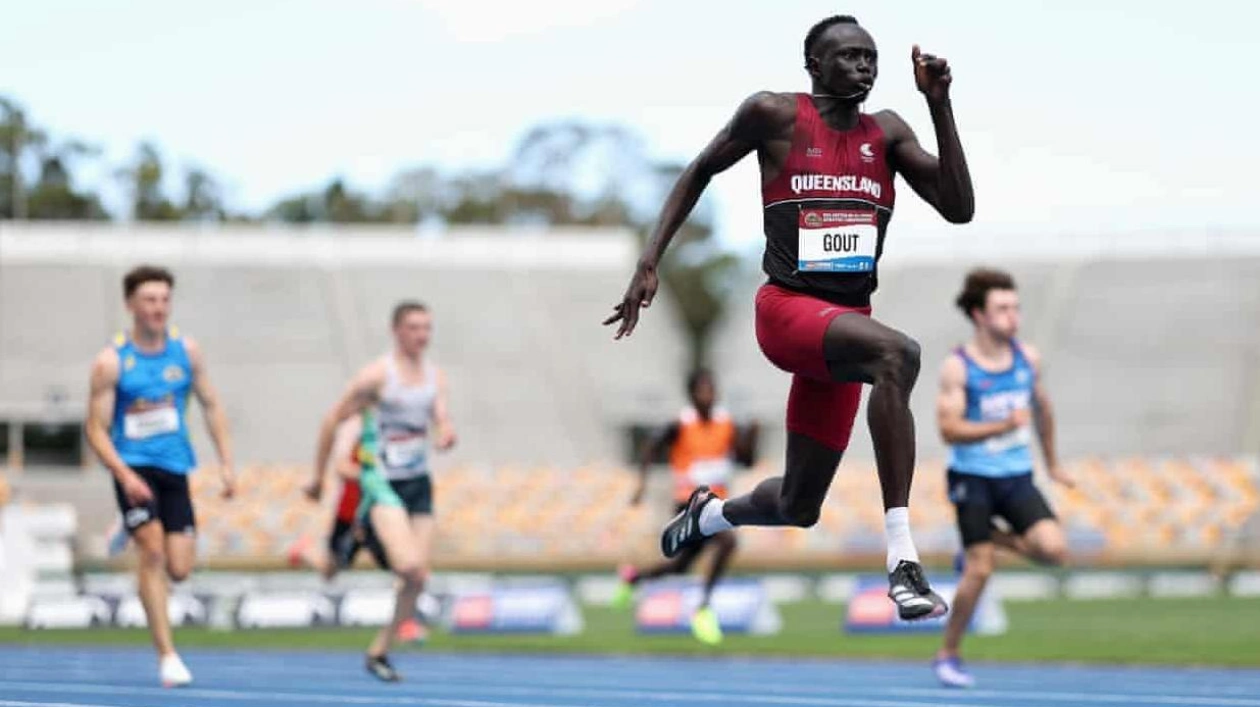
{"x":149,"y":539}
{"x":1045,"y":537}
{"x":854,"y":343}
{"x":973,"y":508}
{"x":181,"y":553}
{"x":174,"y":503}
{"x":823,"y":411}
{"x":392,"y":529}
{"x":1024,"y":507}
{"x":422,"y":529}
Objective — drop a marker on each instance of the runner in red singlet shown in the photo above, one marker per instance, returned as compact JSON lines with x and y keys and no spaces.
{"x":344,"y":540}
{"x":827,"y":172}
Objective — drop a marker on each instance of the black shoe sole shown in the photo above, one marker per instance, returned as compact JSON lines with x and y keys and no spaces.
{"x":916,"y":615}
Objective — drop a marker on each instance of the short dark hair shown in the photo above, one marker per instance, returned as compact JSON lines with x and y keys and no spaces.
{"x":811,"y":37}
{"x":696,"y":377}
{"x":405,"y":307}
{"x":976,"y":288}
{"x":142,"y":274}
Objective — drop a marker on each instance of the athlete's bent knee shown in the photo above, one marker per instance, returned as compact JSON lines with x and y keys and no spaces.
{"x":177,"y":572}
{"x":900,"y":358}
{"x":980,"y":568}
{"x":1052,"y":553}
{"x":411,"y":575}
{"x":153,"y":558}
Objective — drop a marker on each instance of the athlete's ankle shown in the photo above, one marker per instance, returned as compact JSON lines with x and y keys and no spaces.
{"x":712,"y":520}
{"x":900,"y":544}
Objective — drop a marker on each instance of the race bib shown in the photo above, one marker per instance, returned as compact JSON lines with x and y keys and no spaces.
{"x":1020,"y":437}
{"x":406,"y":450}
{"x":150,"y":423}
{"x":710,"y":472}
{"x":833,"y":240}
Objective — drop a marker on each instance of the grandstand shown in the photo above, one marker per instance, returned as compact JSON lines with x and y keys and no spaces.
{"x":286,"y":318}
{"x":1152,"y":341}
{"x":1148,"y":510}
{"x":1160,"y":429}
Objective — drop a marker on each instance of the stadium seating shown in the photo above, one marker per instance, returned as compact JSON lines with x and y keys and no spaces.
{"x":1156,"y":419}
{"x":1125,"y":509}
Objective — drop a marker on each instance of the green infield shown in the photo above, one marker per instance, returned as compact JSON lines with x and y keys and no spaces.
{"x":1209,"y":631}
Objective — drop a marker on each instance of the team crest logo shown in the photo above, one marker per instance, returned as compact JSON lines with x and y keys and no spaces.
{"x":813,"y":220}
{"x":129,"y":362}
{"x":868,"y":155}
{"x":173,"y":374}
{"x":813,"y":152}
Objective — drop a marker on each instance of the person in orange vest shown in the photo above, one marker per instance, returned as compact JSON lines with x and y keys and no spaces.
{"x":703,"y":445}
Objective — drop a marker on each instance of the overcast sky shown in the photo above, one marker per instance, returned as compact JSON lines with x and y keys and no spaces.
{"x":1075,"y":115}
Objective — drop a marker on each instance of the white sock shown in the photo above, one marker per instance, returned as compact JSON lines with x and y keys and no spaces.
{"x":900,"y":544}
{"x":712,"y":521}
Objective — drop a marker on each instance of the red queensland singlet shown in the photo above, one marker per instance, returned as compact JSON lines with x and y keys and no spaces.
{"x":828,"y":209}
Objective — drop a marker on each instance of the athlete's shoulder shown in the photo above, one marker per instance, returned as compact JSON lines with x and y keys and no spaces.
{"x":439,"y":373}
{"x":770,"y":102}
{"x":894,"y":126}
{"x":766,"y":112}
{"x":375,"y":372}
{"x":1032,"y":353}
{"x":954,"y":368}
{"x":107,"y":356}
{"x":106,"y":364}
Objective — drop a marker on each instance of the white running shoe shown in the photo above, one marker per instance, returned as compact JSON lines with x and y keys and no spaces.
{"x":951,"y":673}
{"x":174,"y":672}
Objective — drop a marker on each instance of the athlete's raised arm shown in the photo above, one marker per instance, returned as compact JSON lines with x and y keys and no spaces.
{"x":216,"y":416}
{"x":359,"y":394}
{"x":758,"y":118}
{"x":943,"y":182}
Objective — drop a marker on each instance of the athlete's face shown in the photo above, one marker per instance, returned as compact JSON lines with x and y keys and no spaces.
{"x":150,"y":306}
{"x":704,"y":394}
{"x":845,"y":62}
{"x":413,"y":331}
{"x":1000,"y":316}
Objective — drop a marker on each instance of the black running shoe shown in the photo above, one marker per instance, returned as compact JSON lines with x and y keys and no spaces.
{"x":684,"y":530}
{"x":909,"y":590}
{"x":379,"y":667}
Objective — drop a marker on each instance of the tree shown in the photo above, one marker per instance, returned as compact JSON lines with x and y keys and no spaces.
{"x":18,"y":141}
{"x":335,"y":203}
{"x":143,"y":178}
{"x":54,"y":197}
{"x":202,"y":198}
